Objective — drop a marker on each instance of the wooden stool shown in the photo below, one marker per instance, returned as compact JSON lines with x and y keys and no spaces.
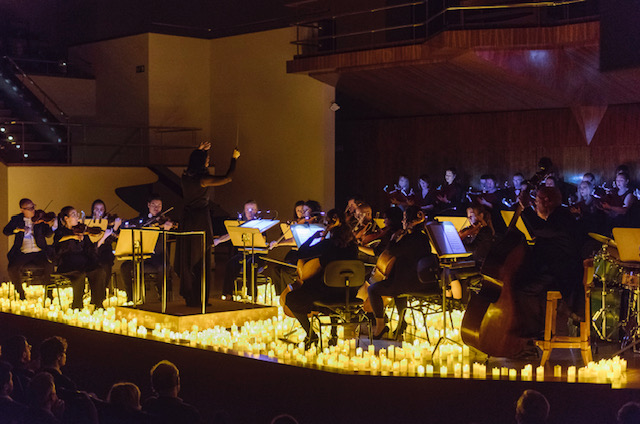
{"x":583,"y":341}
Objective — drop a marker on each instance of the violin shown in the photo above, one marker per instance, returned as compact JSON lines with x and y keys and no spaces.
{"x":162,"y":219}
{"x":86,"y":230}
{"x":470,"y":231}
{"x":41,"y":216}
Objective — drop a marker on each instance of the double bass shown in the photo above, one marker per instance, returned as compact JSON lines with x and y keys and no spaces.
{"x":491,"y":322}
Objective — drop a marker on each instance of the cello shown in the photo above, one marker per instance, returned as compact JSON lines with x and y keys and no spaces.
{"x":491,"y":322}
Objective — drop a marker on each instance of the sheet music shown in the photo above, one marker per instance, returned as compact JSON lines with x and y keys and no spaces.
{"x":261,"y":224}
{"x":302,"y":232}
{"x":446,"y":240}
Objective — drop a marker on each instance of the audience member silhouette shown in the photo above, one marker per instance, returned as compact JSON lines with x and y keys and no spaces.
{"x":44,"y":405}
{"x":532,"y":408}
{"x":629,"y":413}
{"x":16,"y":350}
{"x":11,"y":412}
{"x":166,"y":406}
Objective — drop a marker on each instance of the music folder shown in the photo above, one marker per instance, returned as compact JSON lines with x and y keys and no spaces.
{"x":508,"y":215}
{"x":458,"y":221}
{"x":249,"y":234}
{"x":302,"y":232}
{"x":147,"y":237}
{"x":628,"y":241}
{"x":446,"y":241}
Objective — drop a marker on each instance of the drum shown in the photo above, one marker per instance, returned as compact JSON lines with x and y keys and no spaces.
{"x":607,"y":269}
{"x":630,"y":275}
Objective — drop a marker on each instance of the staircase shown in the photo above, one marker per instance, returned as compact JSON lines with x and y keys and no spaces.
{"x":29,"y":132}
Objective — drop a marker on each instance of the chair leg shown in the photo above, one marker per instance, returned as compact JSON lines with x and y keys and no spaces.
{"x":546,"y":353}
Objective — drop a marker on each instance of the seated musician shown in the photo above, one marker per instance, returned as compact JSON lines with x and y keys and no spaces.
{"x":155,"y":263}
{"x":340,"y":245}
{"x":426,"y":195}
{"x":30,"y":247}
{"x":408,"y":246}
{"x":106,"y":257}
{"x":477,"y":238}
{"x":234,"y":265}
{"x":77,"y":258}
{"x":350,"y":210}
{"x":282,"y":250}
{"x":365,"y":227}
{"x":556,"y":262}
{"x":392,"y":223}
{"x":449,"y":195}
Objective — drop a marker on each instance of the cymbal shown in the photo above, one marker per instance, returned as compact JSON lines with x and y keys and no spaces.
{"x":603,"y":239}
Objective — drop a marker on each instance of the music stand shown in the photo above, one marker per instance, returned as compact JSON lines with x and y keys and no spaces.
{"x":449,"y":249}
{"x":137,"y":244}
{"x":248,"y":238}
{"x":507,"y":216}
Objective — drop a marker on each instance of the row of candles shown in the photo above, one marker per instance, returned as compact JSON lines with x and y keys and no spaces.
{"x":261,"y":340}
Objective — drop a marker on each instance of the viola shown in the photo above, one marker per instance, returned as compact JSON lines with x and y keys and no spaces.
{"x":470,"y":231}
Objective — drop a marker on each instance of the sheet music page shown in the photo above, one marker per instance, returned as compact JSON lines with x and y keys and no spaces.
{"x":454,"y":243}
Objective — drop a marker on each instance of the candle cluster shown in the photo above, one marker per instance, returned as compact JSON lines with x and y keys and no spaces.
{"x":264,"y":340}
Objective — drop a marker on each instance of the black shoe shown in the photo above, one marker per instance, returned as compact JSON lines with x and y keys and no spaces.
{"x":381,"y":334}
{"x":333,"y":340}
{"x":400,"y":330}
{"x":310,"y":340}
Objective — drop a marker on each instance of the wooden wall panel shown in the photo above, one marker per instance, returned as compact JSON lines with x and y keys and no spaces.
{"x":372,"y":153}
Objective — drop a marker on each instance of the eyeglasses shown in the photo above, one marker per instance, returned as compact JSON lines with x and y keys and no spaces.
{"x":30,"y":208}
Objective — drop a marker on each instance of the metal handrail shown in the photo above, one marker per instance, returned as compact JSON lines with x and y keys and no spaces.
{"x":46,"y":96}
{"x":426,"y":21}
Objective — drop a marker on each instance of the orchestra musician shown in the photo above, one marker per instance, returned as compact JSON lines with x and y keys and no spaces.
{"x":29,"y":245}
{"x":477,"y":238}
{"x":491,"y":198}
{"x":339,"y":245}
{"x":408,"y":246}
{"x":450,"y":194}
{"x":234,"y":265}
{"x":106,"y":258}
{"x":155,"y":263}
{"x":196,"y":181}
{"x":590,"y":216}
{"x":350,"y":210}
{"x":78,"y":258}
{"x":365,"y":225}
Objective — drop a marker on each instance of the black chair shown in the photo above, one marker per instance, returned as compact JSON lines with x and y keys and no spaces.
{"x":425,"y":300}
{"x":348,"y":275}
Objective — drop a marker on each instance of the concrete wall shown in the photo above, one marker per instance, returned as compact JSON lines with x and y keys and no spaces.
{"x":283,"y":122}
{"x":75,"y":96}
{"x":76,"y":186}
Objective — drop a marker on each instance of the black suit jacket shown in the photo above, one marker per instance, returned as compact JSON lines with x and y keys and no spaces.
{"x":40,"y":232}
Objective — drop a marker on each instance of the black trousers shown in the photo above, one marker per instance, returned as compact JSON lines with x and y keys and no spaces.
{"x":23,"y":261}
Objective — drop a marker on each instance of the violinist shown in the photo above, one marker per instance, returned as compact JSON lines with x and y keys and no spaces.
{"x":281,"y":275}
{"x":197,"y":197}
{"x":365,"y":225}
{"x":339,"y":245}
{"x":77,"y":257}
{"x":477,"y":238}
{"x":30,"y":247}
{"x":408,"y":246}
{"x":350,"y":210}
{"x":155,"y":263}
{"x":106,"y":257}
{"x":234,"y":265}
{"x":449,"y":195}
